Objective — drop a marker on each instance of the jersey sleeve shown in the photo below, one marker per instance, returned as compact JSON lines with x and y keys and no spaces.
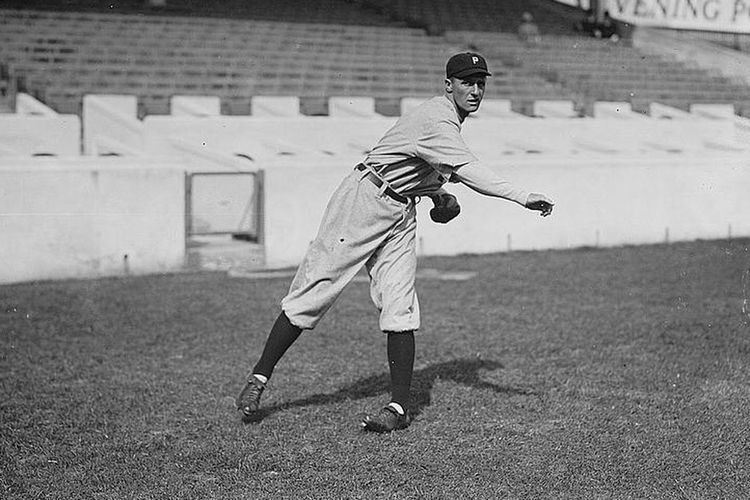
{"x":443,"y":148}
{"x":481,"y":179}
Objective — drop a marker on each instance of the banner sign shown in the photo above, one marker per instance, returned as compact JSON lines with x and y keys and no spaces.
{"x":732,"y":16}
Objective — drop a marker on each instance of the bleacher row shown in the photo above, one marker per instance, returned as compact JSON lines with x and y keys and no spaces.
{"x":437,"y":15}
{"x":61,"y":56}
{"x":320,"y":11}
{"x":482,"y":15}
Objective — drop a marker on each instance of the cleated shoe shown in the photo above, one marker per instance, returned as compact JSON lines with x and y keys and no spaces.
{"x":248,"y":401}
{"x":386,"y":420}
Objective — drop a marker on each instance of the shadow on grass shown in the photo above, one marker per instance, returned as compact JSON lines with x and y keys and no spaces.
{"x":460,"y":371}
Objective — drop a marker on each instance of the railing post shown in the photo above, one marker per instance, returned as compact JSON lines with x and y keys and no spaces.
{"x":260,"y":200}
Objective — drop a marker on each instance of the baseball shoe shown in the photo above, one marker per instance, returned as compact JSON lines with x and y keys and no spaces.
{"x":386,"y":420}
{"x":248,"y":401}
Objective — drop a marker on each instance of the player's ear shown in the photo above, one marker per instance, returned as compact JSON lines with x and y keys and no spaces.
{"x":448,"y":85}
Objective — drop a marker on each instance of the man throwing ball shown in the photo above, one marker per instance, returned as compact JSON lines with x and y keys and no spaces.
{"x":371,"y":221}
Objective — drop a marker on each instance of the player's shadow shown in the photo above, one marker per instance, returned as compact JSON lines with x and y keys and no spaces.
{"x":461,"y":371}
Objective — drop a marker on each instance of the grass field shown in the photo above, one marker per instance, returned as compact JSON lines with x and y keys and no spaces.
{"x":609,"y":373}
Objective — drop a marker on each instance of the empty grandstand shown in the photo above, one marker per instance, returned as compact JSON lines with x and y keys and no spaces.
{"x":60,"y":56}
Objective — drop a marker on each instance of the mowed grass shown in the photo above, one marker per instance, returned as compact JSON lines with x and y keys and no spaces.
{"x":611,"y":373}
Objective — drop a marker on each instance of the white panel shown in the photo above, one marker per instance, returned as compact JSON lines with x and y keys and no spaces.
{"x":554,"y":109}
{"x":274,"y":106}
{"x":111,"y":126}
{"x":90,"y":217}
{"x":28,"y":105}
{"x":351,"y":107}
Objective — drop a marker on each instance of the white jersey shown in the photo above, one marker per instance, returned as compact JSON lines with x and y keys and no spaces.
{"x":422,"y":150}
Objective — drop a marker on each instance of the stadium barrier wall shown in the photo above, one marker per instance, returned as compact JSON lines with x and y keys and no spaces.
{"x":39,"y":135}
{"x":266,"y":139}
{"x":312,"y":139}
{"x":89,"y":217}
{"x":600,"y":188}
{"x":107,"y":216}
{"x":80,"y":217}
{"x":600,"y":202}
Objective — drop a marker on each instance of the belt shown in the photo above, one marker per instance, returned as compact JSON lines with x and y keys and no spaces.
{"x":379,"y":183}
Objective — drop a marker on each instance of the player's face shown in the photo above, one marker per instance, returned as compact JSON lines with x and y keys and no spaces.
{"x":467,"y":92}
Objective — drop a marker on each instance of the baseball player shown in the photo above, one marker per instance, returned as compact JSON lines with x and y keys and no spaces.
{"x":370,"y":221}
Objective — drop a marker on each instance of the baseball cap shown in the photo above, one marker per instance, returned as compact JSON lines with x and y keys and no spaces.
{"x":465,"y":64}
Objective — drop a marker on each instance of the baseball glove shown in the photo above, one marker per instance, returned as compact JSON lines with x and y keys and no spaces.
{"x":446,"y":208}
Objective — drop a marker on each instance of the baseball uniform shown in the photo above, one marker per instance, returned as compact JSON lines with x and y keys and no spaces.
{"x":371,"y":218}
{"x":370,"y":221}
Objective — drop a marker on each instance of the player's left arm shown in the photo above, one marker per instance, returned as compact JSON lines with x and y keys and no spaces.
{"x":481,"y":179}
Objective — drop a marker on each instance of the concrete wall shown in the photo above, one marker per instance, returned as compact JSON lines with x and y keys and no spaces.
{"x":266,"y":139}
{"x":28,"y":135}
{"x":89,"y":217}
{"x":600,"y":202}
{"x":320,"y":139}
{"x":81,"y":218}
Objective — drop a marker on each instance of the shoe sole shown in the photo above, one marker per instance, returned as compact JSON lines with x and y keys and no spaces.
{"x":247,"y":412}
{"x":370,"y":426}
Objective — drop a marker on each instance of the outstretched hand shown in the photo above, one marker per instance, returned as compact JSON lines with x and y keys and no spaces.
{"x":540,"y":203}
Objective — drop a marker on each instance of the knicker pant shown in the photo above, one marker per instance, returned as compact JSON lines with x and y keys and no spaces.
{"x":360,"y":226}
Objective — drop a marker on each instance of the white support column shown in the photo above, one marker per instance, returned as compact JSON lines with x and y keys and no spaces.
{"x":111,"y":126}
